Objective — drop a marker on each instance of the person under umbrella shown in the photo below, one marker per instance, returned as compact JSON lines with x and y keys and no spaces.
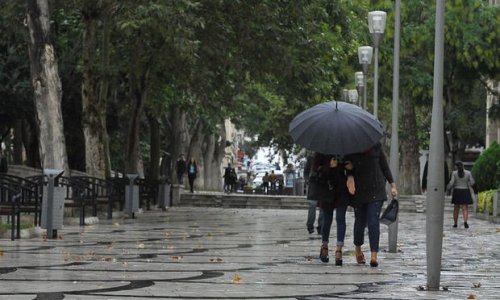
{"x":336,"y":128}
{"x":367,"y":175}
{"x":337,"y":199}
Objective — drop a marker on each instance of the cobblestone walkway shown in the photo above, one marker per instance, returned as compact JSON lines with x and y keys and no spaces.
{"x":214,"y":253}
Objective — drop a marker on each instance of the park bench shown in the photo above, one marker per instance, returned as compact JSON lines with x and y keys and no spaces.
{"x":105,"y":191}
{"x":9,"y":206}
{"x":10,"y":203}
{"x":148,"y":192}
{"x":29,"y":200}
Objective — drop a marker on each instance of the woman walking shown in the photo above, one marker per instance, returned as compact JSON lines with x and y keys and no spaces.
{"x":337,"y":200}
{"x":369,"y":171}
{"x":192,"y":169}
{"x":461,"y":182}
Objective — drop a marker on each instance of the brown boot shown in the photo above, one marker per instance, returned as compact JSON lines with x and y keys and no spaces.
{"x":323,"y":254}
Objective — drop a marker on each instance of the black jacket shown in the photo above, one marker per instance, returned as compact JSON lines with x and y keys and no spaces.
{"x":371,"y":171}
{"x":317,"y":167}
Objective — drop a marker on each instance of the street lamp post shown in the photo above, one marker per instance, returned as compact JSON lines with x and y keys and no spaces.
{"x":360,"y":86}
{"x":365,"y":58}
{"x":435,"y":179}
{"x":353,"y":96}
{"x":394,"y":158}
{"x":376,"y":24}
{"x":345,"y":95}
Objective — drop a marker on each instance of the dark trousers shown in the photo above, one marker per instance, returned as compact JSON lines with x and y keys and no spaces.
{"x":367,"y":215}
{"x":191,"y":182}
{"x":327,"y":224}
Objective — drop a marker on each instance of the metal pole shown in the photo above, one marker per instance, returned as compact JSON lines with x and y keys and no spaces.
{"x":375,"y":85}
{"x":435,"y":186}
{"x":365,"y":88}
{"x":50,"y":206}
{"x":394,"y":160}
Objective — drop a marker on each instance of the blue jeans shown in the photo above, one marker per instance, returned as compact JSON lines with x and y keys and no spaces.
{"x":367,"y":215}
{"x":311,"y":215}
{"x":327,"y":224}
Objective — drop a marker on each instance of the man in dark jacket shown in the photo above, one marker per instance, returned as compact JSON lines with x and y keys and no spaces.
{"x":180,"y":168}
{"x":230,"y":178}
{"x":368,"y":173}
{"x":312,"y":193}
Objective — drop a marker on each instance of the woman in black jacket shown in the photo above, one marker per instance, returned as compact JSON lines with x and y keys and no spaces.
{"x":192,"y":168}
{"x":368,"y":173}
{"x":328,"y":186}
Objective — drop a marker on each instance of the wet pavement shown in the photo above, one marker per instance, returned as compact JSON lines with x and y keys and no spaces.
{"x":220,"y":253}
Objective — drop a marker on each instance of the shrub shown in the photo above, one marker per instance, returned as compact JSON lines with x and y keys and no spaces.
{"x":485,"y":201}
{"x":486,"y":171}
{"x":9,"y":226}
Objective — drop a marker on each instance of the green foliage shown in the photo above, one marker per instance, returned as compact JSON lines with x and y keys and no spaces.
{"x":485,"y":201}
{"x":486,"y":168}
{"x":9,"y":226}
{"x":15,"y":85}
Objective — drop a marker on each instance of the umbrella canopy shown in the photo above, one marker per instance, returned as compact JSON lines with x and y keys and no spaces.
{"x":336,"y":128}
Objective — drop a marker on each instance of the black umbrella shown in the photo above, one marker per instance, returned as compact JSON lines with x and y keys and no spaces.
{"x":336,"y":128}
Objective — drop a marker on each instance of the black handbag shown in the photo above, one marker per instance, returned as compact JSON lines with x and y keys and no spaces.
{"x":390,"y":213}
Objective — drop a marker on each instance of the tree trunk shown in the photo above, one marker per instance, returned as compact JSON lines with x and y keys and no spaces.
{"x":47,"y":87}
{"x":214,"y":153}
{"x":179,"y":134}
{"x":409,"y":177}
{"x":196,"y":152}
{"x":17,"y":157}
{"x":154,"y":167}
{"x":30,"y":141}
{"x":138,"y":94}
{"x":93,"y":105}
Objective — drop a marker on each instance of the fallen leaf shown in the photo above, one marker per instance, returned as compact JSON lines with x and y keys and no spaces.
{"x":471,"y":296}
{"x":216,"y":259}
{"x":236,"y":278}
{"x":1,"y":252}
{"x":175,"y":257}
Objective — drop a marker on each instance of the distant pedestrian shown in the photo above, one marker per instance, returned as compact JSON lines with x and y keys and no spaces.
{"x":461,"y":182}
{"x":272,"y":181}
{"x":313,"y":191}
{"x":180,"y":168}
{"x":192,"y":169}
{"x":265,"y":183}
{"x":230,"y":178}
{"x":424,"y":176}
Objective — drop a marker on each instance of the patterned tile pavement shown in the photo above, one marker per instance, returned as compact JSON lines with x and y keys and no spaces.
{"x":217,"y":253}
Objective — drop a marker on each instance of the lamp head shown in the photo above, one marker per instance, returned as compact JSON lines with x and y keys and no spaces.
{"x":376,"y":21}
{"x":365,"y":54}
